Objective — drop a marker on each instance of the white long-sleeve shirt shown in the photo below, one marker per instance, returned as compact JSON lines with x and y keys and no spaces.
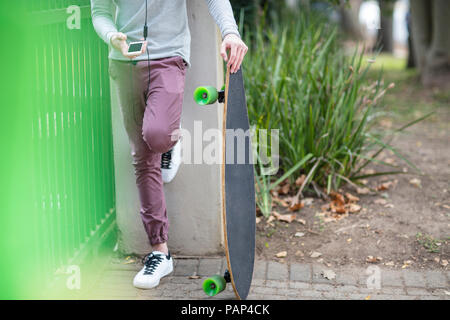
{"x":168,"y":31}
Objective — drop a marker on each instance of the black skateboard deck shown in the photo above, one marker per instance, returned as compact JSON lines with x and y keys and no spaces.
{"x":238,"y":187}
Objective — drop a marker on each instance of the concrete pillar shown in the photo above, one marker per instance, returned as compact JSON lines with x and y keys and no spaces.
{"x":193,"y":197}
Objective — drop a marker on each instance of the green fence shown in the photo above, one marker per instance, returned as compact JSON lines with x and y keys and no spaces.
{"x":73,"y":173}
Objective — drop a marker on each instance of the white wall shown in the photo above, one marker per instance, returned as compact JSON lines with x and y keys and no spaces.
{"x":193,"y":197}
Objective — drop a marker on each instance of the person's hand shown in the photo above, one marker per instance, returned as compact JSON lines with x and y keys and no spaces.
{"x":119,"y":41}
{"x":237,"y":48}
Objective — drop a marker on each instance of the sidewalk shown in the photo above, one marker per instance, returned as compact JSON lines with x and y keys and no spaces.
{"x":274,"y":280}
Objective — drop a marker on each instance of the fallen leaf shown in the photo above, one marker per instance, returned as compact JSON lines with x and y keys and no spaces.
{"x":315,"y":254}
{"x":329,"y":274}
{"x":282,"y":202}
{"x":194,"y":276}
{"x":284,"y":217}
{"x":384,"y":186}
{"x":353,"y":208}
{"x":367,"y":298}
{"x":300,"y":180}
{"x":389,"y":264}
{"x":362,"y":190}
{"x":308,"y":201}
{"x":389,"y":160}
{"x":380,"y":201}
{"x":285,"y":189}
{"x":416,"y":182}
{"x":389,"y":205}
{"x":302,"y":221}
{"x":444,"y":262}
{"x":351,"y":198}
{"x":371,"y":259}
{"x":271,"y":218}
{"x":299,"y":253}
{"x":299,"y":234}
{"x":281,"y":254}
{"x":337,"y":198}
{"x":297,"y":206}
{"x":258,"y":220}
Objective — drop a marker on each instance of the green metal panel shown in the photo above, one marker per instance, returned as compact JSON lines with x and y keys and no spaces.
{"x":73,"y":174}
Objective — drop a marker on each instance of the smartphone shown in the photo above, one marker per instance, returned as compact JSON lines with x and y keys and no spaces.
{"x":135,"y":47}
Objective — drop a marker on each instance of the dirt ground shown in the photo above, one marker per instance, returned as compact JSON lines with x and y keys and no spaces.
{"x":407,"y":225}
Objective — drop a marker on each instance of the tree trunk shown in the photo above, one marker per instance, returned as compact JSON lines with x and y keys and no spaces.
{"x":350,"y":19}
{"x":431,"y":40}
{"x":421,"y":30}
{"x":385,"y":39}
{"x":411,"y":56}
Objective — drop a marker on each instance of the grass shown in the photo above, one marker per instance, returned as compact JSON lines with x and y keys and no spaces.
{"x":428,"y":242}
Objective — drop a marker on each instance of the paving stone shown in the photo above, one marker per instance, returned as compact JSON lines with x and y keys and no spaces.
{"x":209,"y":267}
{"x":258,"y":282}
{"x":336,"y":295}
{"x":263,"y":290}
{"x":417,"y":291}
{"x":299,"y":285}
{"x":345,"y":277}
{"x":289,"y":292}
{"x":357,"y":296}
{"x":391,"y":278}
{"x":277,"y":271}
{"x":186,"y":267}
{"x":414,"y":279}
{"x":317,"y":276}
{"x":276,"y":284}
{"x":436,"y":279}
{"x":323,"y":287}
{"x":347,"y":289}
{"x":260,"y":269}
{"x":300,"y":272}
{"x":312,"y":293}
{"x":393,"y":290}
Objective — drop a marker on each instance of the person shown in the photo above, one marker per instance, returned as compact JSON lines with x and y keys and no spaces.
{"x":150,"y":86}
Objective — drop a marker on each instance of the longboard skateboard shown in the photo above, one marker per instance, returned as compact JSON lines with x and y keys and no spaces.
{"x":238,"y":187}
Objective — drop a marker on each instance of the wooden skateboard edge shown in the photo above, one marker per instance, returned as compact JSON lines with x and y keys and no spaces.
{"x":224,"y":211}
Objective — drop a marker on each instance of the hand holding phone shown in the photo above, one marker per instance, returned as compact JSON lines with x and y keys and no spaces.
{"x":131,"y":51}
{"x":135,"y":49}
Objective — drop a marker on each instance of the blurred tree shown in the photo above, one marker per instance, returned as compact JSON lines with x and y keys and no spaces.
{"x":253,"y":9}
{"x":349,"y":10}
{"x":431,"y":41}
{"x":385,"y":37}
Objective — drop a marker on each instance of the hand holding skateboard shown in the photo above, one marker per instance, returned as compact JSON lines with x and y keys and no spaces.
{"x":237,"y":48}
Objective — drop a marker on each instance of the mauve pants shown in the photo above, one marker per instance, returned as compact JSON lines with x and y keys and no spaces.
{"x":149,"y":121}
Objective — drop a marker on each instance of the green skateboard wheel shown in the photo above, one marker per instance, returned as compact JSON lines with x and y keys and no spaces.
{"x":205,"y":95}
{"x":214,"y":285}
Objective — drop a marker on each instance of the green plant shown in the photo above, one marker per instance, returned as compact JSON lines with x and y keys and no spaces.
{"x":264,"y":185}
{"x":428,"y":242}
{"x":299,"y":80}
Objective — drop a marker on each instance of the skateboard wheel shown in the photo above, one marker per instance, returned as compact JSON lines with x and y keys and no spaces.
{"x":214,"y":285}
{"x":205,"y":95}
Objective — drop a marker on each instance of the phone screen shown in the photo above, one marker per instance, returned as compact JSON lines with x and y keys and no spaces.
{"x":135,"y":47}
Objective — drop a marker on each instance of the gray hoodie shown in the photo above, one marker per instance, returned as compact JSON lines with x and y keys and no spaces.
{"x":168,"y":31}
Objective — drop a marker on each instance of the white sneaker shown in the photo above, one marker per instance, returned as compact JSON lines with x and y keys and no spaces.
{"x":156,"y":266}
{"x":170,"y":162}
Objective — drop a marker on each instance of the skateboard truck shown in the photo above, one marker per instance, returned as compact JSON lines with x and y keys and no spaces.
{"x":216,"y":284}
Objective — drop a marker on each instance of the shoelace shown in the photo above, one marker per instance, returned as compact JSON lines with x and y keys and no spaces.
{"x":151,"y":262}
{"x":166,"y":160}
